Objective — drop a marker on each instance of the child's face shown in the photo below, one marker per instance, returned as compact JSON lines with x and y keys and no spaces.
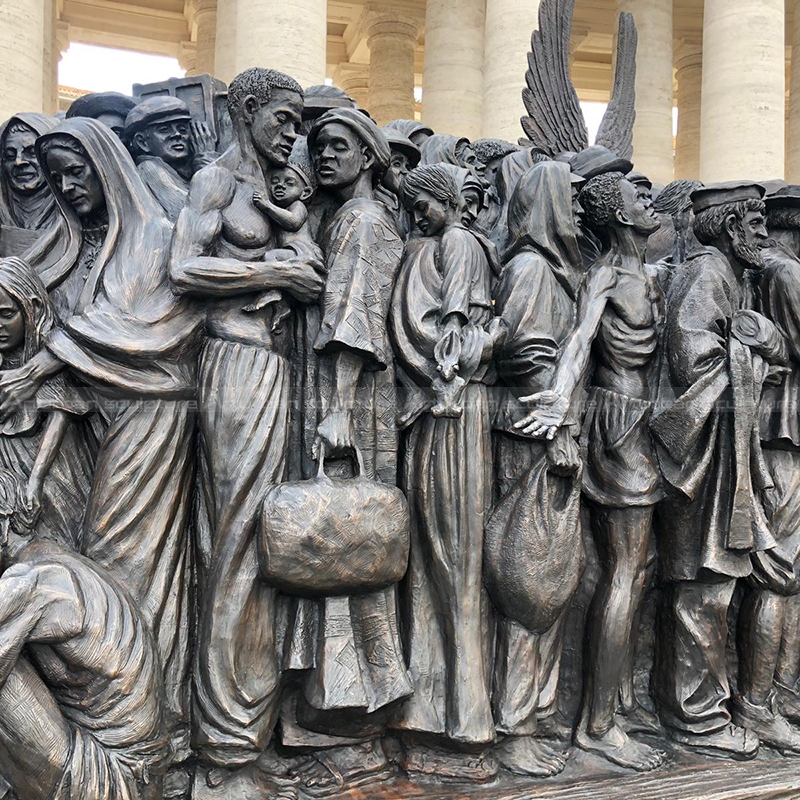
{"x":12,"y":324}
{"x":286,"y":187}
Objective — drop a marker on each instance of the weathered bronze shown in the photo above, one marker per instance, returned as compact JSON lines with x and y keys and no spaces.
{"x":374,"y":464}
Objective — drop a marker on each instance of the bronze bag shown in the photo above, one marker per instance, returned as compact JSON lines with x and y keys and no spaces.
{"x":333,"y":536}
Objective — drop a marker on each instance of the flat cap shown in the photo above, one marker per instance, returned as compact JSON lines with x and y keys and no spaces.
{"x":717,"y":194}
{"x":597,"y":160}
{"x":785,"y":197}
{"x":162,"y":108}
{"x":397,"y":141}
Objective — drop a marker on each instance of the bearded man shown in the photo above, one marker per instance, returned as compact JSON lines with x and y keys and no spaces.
{"x":719,"y":352}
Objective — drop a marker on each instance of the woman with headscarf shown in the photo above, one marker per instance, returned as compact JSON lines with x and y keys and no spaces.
{"x":27,"y":206}
{"x":348,"y":648}
{"x":134,"y":344}
{"x":537,"y":300}
{"x":39,"y":443}
{"x":441,"y":316}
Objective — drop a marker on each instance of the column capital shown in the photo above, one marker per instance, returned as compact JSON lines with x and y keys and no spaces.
{"x":203,"y":8}
{"x":62,"y":36}
{"x":688,"y":53}
{"x":382,"y":20}
{"x":187,"y":56}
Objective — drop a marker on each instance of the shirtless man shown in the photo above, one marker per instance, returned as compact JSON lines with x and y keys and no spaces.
{"x":224,"y":254}
{"x":81,"y":711}
{"x":619,"y":327}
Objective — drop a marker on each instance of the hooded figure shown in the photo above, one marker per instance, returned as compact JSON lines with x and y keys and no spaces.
{"x":441,"y":148}
{"x":537,"y":300}
{"x":134,"y":343}
{"x":27,"y":206}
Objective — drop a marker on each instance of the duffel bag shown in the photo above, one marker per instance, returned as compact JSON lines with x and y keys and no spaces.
{"x":333,"y":536}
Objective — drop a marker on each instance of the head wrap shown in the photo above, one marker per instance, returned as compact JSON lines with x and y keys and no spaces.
{"x":367,"y":131}
{"x":97,"y":103}
{"x":36,"y":211}
{"x":441,"y":148}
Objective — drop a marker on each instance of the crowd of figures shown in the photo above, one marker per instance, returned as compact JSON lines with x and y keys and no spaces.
{"x":539,"y":350}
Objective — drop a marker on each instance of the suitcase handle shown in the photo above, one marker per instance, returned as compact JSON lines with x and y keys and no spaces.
{"x":359,"y":459}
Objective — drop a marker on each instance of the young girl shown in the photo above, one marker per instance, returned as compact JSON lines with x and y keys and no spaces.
{"x":39,"y":443}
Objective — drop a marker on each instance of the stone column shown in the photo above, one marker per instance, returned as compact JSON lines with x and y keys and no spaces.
{"x":205,"y":23}
{"x":452,"y":80}
{"x":689,"y":74}
{"x":187,"y":57}
{"x":652,"y":132}
{"x":22,"y":45}
{"x":509,"y":24}
{"x":354,"y":79}
{"x":793,"y":144}
{"x":287,"y":35}
{"x":392,"y":40}
{"x":742,"y":129}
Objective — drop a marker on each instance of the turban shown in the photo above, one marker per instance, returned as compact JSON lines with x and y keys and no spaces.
{"x":370,"y":134}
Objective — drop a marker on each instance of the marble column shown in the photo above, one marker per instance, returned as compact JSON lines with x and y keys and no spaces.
{"x":22,"y":44}
{"x":793,"y":143}
{"x":452,"y":80}
{"x":287,"y":35}
{"x":742,"y":128}
{"x":354,"y":79}
{"x":205,"y":23}
{"x":652,"y":132}
{"x":509,"y":24}
{"x":689,"y":75}
{"x":392,"y":40}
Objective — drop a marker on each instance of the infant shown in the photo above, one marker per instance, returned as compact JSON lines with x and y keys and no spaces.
{"x":289,"y":189}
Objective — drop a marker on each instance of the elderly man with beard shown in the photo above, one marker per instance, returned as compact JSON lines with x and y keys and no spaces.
{"x":621,"y":482}
{"x":168,"y":147}
{"x":225,"y":254}
{"x":719,"y":352}
{"x":769,"y":622}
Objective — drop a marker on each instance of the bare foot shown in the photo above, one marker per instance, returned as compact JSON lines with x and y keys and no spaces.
{"x":620,"y":749}
{"x":524,"y":755}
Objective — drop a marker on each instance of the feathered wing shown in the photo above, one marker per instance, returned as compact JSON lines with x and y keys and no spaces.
{"x":616,"y":129}
{"x":554,"y":122}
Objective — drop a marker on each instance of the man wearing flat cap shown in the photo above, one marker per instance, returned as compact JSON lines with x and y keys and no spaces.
{"x":769,"y":639}
{"x":168,"y":147}
{"x":719,"y":353}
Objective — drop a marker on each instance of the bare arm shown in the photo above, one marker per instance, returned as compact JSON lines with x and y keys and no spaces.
{"x":36,"y":604}
{"x":336,"y":429}
{"x":553,"y":404}
{"x":193,"y":271}
{"x":52,"y":437}
{"x":290,"y":219}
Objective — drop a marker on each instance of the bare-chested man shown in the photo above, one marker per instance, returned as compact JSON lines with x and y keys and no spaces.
{"x":81,"y":710}
{"x":224,"y":254}
{"x":621,"y":480}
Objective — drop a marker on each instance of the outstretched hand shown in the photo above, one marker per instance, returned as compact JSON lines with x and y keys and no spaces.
{"x":547,"y":416}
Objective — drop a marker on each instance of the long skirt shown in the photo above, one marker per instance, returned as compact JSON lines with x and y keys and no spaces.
{"x":448,"y":482}
{"x":137,"y":527}
{"x":244,"y":420}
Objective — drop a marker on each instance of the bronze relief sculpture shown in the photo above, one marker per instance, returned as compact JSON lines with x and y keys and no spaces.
{"x":377,"y":463}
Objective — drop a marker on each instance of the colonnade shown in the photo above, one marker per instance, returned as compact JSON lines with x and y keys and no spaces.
{"x":729,"y":84}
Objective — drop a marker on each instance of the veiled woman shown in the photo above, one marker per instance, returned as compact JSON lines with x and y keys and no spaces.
{"x":134,"y":344}
{"x":537,"y":300}
{"x":27,"y":206}
{"x":348,"y":647}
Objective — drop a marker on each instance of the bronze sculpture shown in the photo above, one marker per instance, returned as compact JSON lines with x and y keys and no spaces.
{"x":326,"y":474}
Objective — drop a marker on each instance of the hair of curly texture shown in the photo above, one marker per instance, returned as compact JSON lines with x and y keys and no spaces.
{"x":433,"y":179}
{"x":259,"y":83}
{"x":783,"y":219}
{"x":601,"y":198}
{"x":488,"y":150}
{"x":676,"y":197}
{"x":709,"y":223}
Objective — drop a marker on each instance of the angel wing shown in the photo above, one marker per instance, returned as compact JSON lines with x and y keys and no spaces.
{"x":616,"y":129}
{"x":554,"y":123}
